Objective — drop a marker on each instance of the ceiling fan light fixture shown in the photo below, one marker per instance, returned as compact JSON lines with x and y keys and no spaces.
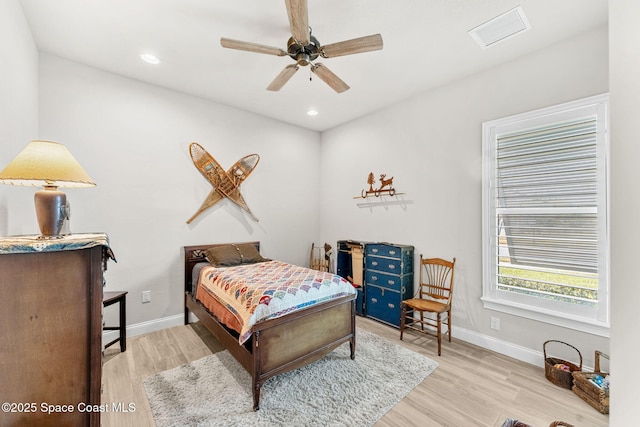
{"x":312,"y":113}
{"x":303,"y":59}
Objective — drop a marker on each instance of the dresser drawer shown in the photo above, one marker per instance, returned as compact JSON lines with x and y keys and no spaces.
{"x":384,"y":280}
{"x":388,"y":265}
{"x":383,"y":304}
{"x":380,"y":249}
{"x":402,"y":284}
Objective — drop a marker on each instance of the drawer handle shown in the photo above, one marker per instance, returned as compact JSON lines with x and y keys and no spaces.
{"x":374,"y":263}
{"x":375,"y":251}
{"x":374,"y":277}
{"x":392,"y":306}
{"x":392,"y":252}
{"x":391,"y":282}
{"x":374,"y":300}
{"x":392,"y":267}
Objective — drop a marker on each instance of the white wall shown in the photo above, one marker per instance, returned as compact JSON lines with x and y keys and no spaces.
{"x":431,"y":145}
{"x":625,"y":208}
{"x":132,"y":138}
{"x":18,"y":107}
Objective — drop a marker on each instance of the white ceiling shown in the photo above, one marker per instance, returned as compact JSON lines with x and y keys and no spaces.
{"x":426,"y":45}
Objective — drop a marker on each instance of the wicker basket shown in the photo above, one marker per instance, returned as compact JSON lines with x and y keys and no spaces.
{"x":596,"y":396}
{"x":556,"y":375}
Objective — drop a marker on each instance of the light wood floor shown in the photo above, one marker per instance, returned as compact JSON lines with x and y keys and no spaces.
{"x":471,"y":386}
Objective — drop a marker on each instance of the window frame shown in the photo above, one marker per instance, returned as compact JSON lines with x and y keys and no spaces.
{"x":595,"y":321}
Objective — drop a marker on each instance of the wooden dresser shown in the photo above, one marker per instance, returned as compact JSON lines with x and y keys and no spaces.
{"x":51,"y":329}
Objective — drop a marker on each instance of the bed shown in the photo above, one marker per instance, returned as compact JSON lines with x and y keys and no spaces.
{"x":277,"y":344}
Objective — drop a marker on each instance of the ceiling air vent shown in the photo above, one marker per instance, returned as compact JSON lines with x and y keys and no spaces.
{"x":500,"y":28}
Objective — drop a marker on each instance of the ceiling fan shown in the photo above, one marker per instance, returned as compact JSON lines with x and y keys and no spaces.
{"x":304,"y":48}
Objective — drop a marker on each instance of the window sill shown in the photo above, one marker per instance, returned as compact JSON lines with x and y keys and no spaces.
{"x":548,"y":316}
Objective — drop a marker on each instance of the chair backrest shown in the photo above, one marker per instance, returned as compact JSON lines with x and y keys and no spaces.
{"x":436,"y":279}
{"x":318,"y":260}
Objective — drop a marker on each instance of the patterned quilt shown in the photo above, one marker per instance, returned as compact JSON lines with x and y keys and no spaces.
{"x":257,"y":292}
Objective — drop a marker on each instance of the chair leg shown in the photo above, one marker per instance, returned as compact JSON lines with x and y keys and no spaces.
{"x":123,"y":324}
{"x":449,"y":324}
{"x":439,"y":335}
{"x":403,"y":315}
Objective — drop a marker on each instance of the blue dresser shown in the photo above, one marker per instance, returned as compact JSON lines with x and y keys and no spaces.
{"x":388,"y":280}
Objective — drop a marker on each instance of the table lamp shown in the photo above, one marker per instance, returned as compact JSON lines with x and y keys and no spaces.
{"x":50,"y":165}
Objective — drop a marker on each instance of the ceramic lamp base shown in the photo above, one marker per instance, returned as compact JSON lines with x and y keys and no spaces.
{"x":51,"y":211}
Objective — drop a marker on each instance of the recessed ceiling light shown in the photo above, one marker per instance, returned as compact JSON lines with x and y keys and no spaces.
{"x":501,"y":28}
{"x":150,"y":58}
{"x":312,"y":113}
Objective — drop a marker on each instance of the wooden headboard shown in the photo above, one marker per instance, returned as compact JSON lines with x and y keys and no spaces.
{"x":195,"y":254}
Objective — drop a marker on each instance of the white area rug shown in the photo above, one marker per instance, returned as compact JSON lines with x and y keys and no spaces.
{"x":333,"y":391}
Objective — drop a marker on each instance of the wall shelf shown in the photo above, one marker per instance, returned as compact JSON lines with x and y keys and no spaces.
{"x":379,"y":195}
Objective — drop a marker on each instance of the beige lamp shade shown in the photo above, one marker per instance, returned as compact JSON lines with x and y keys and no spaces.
{"x":45,"y":164}
{"x":50,"y":165}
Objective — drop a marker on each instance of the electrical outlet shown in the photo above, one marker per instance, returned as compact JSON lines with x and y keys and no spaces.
{"x":146,"y":296}
{"x":495,"y":323}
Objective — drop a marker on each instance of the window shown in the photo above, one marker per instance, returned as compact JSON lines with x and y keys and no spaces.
{"x":545,"y":229}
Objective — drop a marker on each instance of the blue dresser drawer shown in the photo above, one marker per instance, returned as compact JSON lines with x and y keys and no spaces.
{"x":381,"y":249}
{"x":394,"y":259}
{"x":391,"y":281}
{"x":383,"y":304}
{"x":402,"y":284}
{"x":389,"y":265}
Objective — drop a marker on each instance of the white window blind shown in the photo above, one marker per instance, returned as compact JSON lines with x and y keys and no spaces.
{"x":545,"y":229}
{"x":547,"y":210}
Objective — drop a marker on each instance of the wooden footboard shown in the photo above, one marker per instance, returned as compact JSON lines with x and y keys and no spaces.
{"x":282,"y":344}
{"x":300,"y":338}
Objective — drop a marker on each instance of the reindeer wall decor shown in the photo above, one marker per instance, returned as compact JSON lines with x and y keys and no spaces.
{"x":385,"y":188}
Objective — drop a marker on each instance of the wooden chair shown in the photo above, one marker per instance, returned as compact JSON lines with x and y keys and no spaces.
{"x":318,"y":260}
{"x":433,"y":296}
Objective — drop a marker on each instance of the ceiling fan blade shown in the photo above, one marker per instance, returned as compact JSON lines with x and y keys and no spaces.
{"x":251,"y":47}
{"x":283,"y":77}
{"x":349,"y":47}
{"x":327,"y":76}
{"x":298,"y":20}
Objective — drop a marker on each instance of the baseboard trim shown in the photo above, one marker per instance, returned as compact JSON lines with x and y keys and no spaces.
{"x":146,"y":327}
{"x":499,"y":346}
{"x":523,"y":354}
